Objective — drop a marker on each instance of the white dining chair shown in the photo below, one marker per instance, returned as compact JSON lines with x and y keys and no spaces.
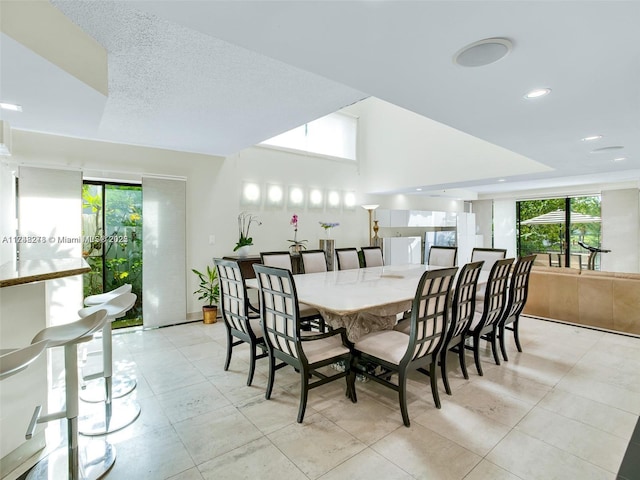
{"x":347,"y":258}
{"x":443,"y":256}
{"x":372,"y":256}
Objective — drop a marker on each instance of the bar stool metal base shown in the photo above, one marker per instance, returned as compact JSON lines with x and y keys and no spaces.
{"x":94,"y":390}
{"x":95,"y":459}
{"x":102,"y":418}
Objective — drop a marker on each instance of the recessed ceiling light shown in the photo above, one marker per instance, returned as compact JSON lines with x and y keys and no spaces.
{"x":537,"y":93}
{"x":418,"y":189}
{"x":483,"y":52}
{"x":11,"y":106}
{"x":619,"y":159}
{"x":501,"y":180}
{"x":592,"y":137}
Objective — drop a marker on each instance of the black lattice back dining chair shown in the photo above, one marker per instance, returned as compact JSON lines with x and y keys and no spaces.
{"x":277,"y":259}
{"x":488,"y":255}
{"x":443,"y":256}
{"x":347,"y":258}
{"x":306,"y":352}
{"x":243,"y":325}
{"x":314,"y":261}
{"x":372,"y":256}
{"x":518,"y":291}
{"x":486,"y":320}
{"x":462,"y":311}
{"x":395,"y":352}
{"x":310,"y":316}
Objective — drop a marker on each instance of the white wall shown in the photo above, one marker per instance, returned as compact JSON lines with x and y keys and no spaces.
{"x":504,"y":226}
{"x":484,"y":222}
{"x":621,"y":230}
{"x":425,"y":152}
{"x":8,"y":221}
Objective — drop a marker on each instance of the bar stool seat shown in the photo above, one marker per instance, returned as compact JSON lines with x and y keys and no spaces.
{"x":14,"y":361}
{"x":102,"y":453}
{"x":101,"y":298}
{"x":105,"y":418}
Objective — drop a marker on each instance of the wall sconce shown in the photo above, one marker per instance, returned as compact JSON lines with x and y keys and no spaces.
{"x":250,"y":194}
{"x":275,"y":196}
{"x":349,"y":200}
{"x":316,"y":198}
{"x":370,"y":209}
{"x":296,"y":197}
{"x":333,"y":199}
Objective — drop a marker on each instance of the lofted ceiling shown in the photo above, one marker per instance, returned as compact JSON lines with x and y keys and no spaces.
{"x":218,"y":76}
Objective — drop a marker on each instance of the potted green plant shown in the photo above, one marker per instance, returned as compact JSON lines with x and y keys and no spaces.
{"x":209,"y":290}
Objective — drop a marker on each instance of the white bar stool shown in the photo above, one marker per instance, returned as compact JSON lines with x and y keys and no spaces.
{"x":92,"y":300}
{"x":117,"y":303}
{"x":85,"y":464}
{"x":16,"y":360}
{"x":104,"y":418}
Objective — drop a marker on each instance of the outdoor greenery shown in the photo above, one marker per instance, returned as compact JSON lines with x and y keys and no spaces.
{"x":550,"y":237}
{"x":114,"y":252}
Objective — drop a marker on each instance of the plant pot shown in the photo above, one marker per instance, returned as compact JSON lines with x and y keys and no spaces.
{"x":210,"y":313}
{"x":244,"y":251}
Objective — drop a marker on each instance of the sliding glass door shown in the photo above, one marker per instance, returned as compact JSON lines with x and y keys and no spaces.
{"x":542,"y":229}
{"x":112,"y":241}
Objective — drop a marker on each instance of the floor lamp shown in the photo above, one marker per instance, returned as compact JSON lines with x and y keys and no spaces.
{"x":370,"y":209}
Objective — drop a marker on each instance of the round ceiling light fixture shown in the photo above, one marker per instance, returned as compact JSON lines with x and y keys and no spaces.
{"x":537,"y":93}
{"x":483,"y":52}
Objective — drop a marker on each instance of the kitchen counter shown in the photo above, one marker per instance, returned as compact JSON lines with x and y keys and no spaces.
{"x":29,"y":271}
{"x":31,"y":289}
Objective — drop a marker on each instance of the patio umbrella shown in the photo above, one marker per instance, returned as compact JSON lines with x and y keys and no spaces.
{"x":558,"y":216}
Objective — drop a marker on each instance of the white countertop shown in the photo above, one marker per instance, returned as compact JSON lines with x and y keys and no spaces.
{"x":29,"y":271}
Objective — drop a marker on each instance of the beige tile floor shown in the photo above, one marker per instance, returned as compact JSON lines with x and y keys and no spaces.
{"x":563,"y":409}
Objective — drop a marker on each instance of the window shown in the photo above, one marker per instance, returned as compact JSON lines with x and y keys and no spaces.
{"x":542,"y":230}
{"x":334,"y":136}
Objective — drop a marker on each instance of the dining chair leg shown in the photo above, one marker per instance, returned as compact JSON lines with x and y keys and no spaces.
{"x":463,"y":361}
{"x":351,"y":383}
{"x":443,"y":368}
{"x":304,"y":391}
{"x":433,"y":375}
{"x":229,"y":348}
{"x":503,"y":347}
{"x":494,"y":344}
{"x":516,"y":335}
{"x":476,"y":353}
{"x":272,"y":375}
{"x":252,"y":364}
{"x":402,"y":396}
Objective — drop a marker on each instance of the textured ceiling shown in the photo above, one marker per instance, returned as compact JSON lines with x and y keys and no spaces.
{"x":218,"y":76}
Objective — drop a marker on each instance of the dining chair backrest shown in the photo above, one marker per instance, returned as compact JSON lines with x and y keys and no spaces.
{"x":488,"y":255}
{"x":519,"y":286}
{"x":495,"y":294}
{"x":347,"y":258}
{"x":314,"y":261}
{"x":464,"y":299}
{"x":277,"y":259}
{"x":429,"y":313}
{"x":443,"y":256}
{"x":233,"y":295}
{"x":372,"y":256}
{"x":280,"y":312}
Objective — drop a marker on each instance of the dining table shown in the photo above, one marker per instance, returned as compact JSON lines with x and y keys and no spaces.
{"x":361,"y":300}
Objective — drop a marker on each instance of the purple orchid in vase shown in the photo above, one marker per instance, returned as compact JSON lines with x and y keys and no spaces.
{"x":296,"y":245}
